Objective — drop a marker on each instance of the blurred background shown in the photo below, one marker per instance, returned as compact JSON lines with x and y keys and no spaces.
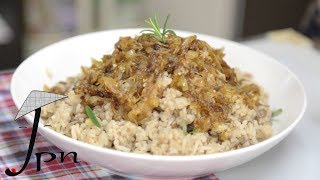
{"x":29,"y":25}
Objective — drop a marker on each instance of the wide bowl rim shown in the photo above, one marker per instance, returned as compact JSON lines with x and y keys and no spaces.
{"x":173,"y":158}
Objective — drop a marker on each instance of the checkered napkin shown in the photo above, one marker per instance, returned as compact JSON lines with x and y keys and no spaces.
{"x":14,"y":142}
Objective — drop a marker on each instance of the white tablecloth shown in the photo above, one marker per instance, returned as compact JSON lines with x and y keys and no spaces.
{"x":297,"y":156}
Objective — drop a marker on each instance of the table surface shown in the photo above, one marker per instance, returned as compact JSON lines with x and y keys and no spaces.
{"x":298,"y":155}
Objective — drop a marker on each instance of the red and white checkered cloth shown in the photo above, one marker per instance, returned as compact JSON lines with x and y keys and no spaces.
{"x":14,"y":142}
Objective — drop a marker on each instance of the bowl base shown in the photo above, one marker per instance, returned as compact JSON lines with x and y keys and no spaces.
{"x":120,"y":175}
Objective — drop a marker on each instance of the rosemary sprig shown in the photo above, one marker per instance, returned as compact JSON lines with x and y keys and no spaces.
{"x":92,"y":116}
{"x":156,"y":31}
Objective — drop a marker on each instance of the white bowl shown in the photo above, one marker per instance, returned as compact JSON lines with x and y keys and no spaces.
{"x":64,"y":59}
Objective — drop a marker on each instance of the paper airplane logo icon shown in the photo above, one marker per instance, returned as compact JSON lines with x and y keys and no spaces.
{"x":37,"y":99}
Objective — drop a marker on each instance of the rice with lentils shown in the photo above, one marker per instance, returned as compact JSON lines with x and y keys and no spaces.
{"x":173,"y":98}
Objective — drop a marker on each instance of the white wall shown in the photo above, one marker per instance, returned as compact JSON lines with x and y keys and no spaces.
{"x":221,"y":18}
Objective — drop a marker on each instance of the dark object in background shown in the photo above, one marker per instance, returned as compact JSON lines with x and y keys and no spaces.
{"x":266,"y":15}
{"x":310,"y":25}
{"x":11,"y":51}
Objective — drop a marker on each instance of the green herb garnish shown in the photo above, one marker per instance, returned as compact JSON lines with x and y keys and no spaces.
{"x":276,"y":112}
{"x":184,"y":126}
{"x":155,"y":31}
{"x":92,"y":116}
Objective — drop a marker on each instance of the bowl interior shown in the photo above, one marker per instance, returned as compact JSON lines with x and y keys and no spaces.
{"x":63,"y":59}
